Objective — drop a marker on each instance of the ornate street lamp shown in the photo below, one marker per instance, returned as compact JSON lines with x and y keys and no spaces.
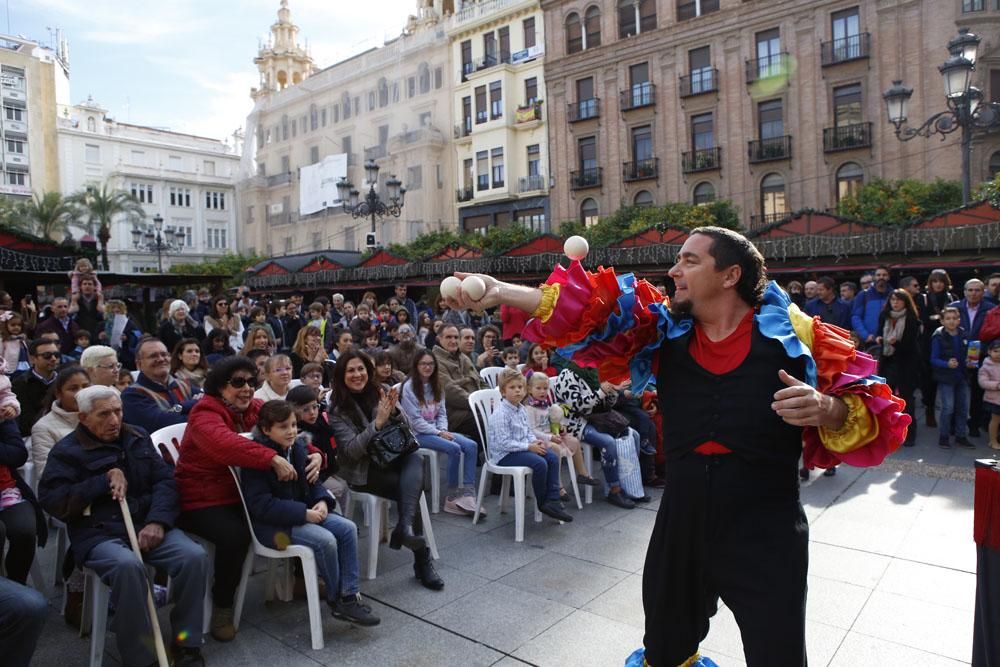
{"x":156,"y":240}
{"x":967,"y":109}
{"x":372,"y":205}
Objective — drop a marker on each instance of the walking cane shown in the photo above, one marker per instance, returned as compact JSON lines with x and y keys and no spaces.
{"x":161,"y":651}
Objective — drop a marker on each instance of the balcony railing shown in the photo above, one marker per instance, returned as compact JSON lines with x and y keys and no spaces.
{"x":531,"y":183}
{"x":852,"y":47}
{"x":774,"y":148}
{"x":492,"y":61}
{"x":464,"y":194}
{"x":584,"y":109}
{"x":767,"y":67}
{"x":767,"y":219}
{"x":375,"y":152}
{"x":279,"y":179}
{"x":704,"y":159}
{"x":528,"y":113}
{"x":463,"y":129}
{"x":641,"y":169}
{"x":847,"y":137}
{"x":699,"y":82}
{"x":585,"y":178}
{"x":639,"y":95}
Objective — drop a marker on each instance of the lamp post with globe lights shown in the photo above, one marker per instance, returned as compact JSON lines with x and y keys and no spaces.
{"x":372,"y":205}
{"x":158,"y":241}
{"x":967,"y":109}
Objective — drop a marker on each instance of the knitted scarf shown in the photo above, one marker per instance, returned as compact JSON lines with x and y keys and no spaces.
{"x":893,"y":329}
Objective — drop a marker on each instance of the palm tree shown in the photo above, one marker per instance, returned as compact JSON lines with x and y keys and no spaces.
{"x":48,"y":215}
{"x":12,"y":214}
{"x":97,"y":208}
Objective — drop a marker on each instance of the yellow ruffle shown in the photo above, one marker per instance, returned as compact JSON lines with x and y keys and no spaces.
{"x":550,"y":296}
{"x":802,"y":324}
{"x":859,"y":429}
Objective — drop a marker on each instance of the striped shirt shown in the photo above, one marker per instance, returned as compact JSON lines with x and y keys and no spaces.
{"x":508,"y":431}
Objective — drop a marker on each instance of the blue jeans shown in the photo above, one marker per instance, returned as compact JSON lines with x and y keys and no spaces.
{"x":335,"y":543}
{"x":609,"y":451}
{"x":954,"y":410}
{"x":544,"y":472}
{"x":22,"y":617}
{"x":184,"y":561}
{"x":461,"y":445}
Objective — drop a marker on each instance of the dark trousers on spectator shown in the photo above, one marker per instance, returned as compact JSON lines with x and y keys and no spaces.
{"x":22,"y":617}
{"x":734,"y":530}
{"x":18,"y":524}
{"x":399,"y":480}
{"x":225,"y":527}
{"x":985,"y":637}
{"x":544,"y":472}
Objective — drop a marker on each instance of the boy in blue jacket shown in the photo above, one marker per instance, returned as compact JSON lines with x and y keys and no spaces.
{"x":296,"y":512}
{"x":948,"y":350}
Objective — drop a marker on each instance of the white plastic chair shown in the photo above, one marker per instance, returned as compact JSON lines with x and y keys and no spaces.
{"x":374,"y":508}
{"x":483,"y":403}
{"x":135,"y":375}
{"x":431,"y":456}
{"x":490,"y":375}
{"x":304,"y":554}
{"x":96,"y":596}
{"x":167,"y":441}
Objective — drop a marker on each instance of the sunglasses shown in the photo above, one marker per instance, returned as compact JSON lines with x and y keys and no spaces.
{"x":48,"y":355}
{"x":240,"y":382}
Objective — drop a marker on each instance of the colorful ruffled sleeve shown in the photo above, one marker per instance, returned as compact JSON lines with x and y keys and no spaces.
{"x":599,"y":320}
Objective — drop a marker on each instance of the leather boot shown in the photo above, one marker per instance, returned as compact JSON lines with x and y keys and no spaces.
{"x":423,"y":569}
{"x":411,"y":487}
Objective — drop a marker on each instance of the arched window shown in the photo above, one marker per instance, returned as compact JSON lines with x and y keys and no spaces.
{"x":574,"y":33}
{"x":589,"y":212}
{"x":704,"y":193}
{"x":91,"y":124}
{"x":850,"y":178}
{"x":643,"y":198}
{"x":994,"y":165}
{"x":773,"y":205}
{"x":626,"y":18}
{"x":592,"y":27}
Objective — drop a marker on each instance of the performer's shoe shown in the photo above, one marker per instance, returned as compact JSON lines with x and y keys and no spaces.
{"x":830,"y":472}
{"x":620,"y":500}
{"x":804,"y":474}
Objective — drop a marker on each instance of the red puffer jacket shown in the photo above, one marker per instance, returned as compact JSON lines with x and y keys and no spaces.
{"x":212,"y":442}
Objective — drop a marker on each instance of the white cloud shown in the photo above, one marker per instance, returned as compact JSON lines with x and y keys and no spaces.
{"x":117,"y":22}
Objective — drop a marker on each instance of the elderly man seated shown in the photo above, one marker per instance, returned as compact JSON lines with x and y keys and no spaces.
{"x":87,"y":473}
{"x":157,"y":399}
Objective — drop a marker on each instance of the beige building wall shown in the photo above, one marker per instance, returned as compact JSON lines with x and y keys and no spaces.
{"x":907,"y":40}
{"x":391,"y":104}
{"x":499,"y":45}
{"x":34,"y":80}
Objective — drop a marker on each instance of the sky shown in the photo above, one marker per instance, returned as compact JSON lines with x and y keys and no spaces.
{"x":187,"y":65}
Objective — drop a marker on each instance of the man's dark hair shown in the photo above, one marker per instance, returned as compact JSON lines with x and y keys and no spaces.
{"x":826,"y":281}
{"x":37,"y":343}
{"x":883,"y":267}
{"x":145,"y":340}
{"x":851,"y":284}
{"x":224,"y":370}
{"x":906,"y":281}
{"x":252,"y":355}
{"x":730,"y":248}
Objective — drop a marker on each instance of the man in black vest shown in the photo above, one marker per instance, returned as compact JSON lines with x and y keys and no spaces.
{"x":730,"y":524}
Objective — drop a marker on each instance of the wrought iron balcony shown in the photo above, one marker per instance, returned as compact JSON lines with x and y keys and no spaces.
{"x":464,"y":194}
{"x":463,"y":129}
{"x":775,"y":65}
{"x":768,"y":219}
{"x":641,"y":169}
{"x":279,"y":179}
{"x":705,"y":159}
{"x":699,"y":82}
{"x":531,"y":183}
{"x":375,"y":152}
{"x":585,"y":178}
{"x":528,"y":113}
{"x":845,"y":49}
{"x":766,"y":150}
{"x":584,"y":109}
{"x":847,"y":137}
{"x":638,"y":96}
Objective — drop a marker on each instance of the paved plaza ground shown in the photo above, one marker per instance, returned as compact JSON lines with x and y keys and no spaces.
{"x":892,"y":582}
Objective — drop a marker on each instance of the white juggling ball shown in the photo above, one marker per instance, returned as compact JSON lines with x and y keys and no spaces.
{"x":474,"y":287}
{"x":576,"y":247}
{"x":449,"y":287}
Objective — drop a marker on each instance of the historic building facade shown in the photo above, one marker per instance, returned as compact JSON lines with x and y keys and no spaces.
{"x":390,"y":104}
{"x":499,"y":105}
{"x":776,"y":106}
{"x":189,"y":181}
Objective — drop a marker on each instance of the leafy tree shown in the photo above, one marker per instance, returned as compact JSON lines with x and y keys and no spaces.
{"x":98,"y":208}
{"x":12,"y":215}
{"x":630,"y":220}
{"x":990,"y":191}
{"x":425,"y":244}
{"x":895,"y":203}
{"x":231,"y":265}
{"x":46,"y":215}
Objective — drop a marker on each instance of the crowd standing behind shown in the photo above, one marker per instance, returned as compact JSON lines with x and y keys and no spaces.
{"x":316,"y":383}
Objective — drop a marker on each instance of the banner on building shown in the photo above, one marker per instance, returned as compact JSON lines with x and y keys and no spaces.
{"x":318,"y":183}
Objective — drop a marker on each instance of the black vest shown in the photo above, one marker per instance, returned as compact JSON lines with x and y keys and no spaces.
{"x":733,"y":409}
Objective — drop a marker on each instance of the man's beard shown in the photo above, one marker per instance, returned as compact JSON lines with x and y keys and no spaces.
{"x":682,"y":309}
{"x":880,"y":285}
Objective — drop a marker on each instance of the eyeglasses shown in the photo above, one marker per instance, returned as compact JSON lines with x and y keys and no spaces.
{"x":110,"y":367}
{"x":48,"y":355}
{"x":426,"y":363}
{"x":240,"y":382}
{"x":158,"y":355}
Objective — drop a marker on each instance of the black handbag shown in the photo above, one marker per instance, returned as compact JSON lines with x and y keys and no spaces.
{"x":393,"y":441}
{"x":610,"y":422}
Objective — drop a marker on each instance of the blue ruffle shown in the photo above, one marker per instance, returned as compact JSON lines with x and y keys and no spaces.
{"x":638,"y":659}
{"x":775,"y":323}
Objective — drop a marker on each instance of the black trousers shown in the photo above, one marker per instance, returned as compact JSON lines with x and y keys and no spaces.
{"x":733,"y":530}
{"x":405,"y":477}
{"x":20,"y":529}
{"x":225,"y":526}
{"x":986,"y":636}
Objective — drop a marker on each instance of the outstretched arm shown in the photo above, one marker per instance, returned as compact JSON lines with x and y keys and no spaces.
{"x":497,"y":293}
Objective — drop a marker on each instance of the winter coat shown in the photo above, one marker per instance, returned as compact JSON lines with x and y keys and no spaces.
{"x":865,"y":311}
{"x":170,"y":335}
{"x":837,"y":312}
{"x":459,"y":378}
{"x":353,"y":440}
{"x":275,"y":506}
{"x":944,"y":346}
{"x":75,"y":488}
{"x":30,"y":391}
{"x":972,"y":328}
{"x":13,"y":455}
{"x":141,"y":409}
{"x":573,"y":391}
{"x":212,"y":442}
{"x":49,"y":430}
{"x":989,"y":381}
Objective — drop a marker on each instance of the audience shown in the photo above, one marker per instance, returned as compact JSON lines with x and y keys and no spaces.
{"x":459,"y":378}
{"x":157,"y":399}
{"x":59,"y":417}
{"x":31,"y":386}
{"x":188,"y":363}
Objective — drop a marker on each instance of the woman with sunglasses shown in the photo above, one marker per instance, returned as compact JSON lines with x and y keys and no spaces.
{"x":220,"y":316}
{"x":210,"y":503}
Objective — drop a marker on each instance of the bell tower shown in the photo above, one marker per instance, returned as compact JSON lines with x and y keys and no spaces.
{"x":281,"y":62}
